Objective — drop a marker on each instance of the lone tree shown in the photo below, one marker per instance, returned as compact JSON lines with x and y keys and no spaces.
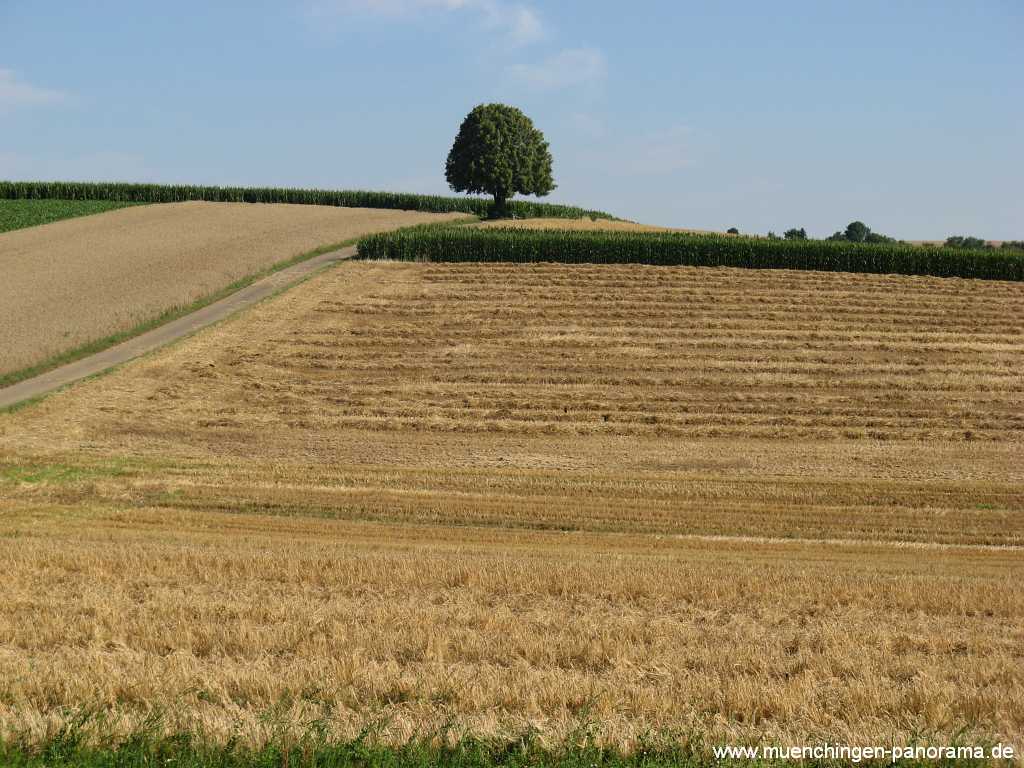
{"x":500,"y":153}
{"x":795,"y":234}
{"x":857,"y":231}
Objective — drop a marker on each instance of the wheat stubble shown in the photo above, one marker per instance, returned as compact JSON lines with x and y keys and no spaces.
{"x":779,"y":503}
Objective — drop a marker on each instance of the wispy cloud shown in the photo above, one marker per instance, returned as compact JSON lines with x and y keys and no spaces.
{"x":518,"y":23}
{"x":664,"y":151}
{"x":17,"y":93}
{"x":571,"y":67}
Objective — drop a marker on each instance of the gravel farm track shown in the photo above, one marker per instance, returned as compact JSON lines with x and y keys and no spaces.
{"x":169,"y":332}
{"x":736,"y":503}
{"x":71,"y":282}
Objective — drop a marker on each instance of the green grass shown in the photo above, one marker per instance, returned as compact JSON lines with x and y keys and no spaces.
{"x":675,"y":248}
{"x":18,"y":214}
{"x":169,"y":193}
{"x":59,"y":474}
{"x":69,"y":748}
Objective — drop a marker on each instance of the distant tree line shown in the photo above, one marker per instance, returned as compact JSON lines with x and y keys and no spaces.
{"x":855,"y":232}
{"x":964,"y":241}
{"x":859,"y":232}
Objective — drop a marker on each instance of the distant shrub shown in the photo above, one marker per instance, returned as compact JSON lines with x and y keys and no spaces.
{"x":960,"y":241}
{"x":859,"y":232}
{"x":875,"y":237}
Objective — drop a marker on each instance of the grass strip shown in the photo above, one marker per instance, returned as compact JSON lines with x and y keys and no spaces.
{"x":67,"y":749}
{"x":19,"y":214}
{"x":499,"y":244}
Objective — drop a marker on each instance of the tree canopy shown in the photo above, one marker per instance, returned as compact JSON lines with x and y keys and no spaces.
{"x":499,"y":152}
{"x":961,"y":241}
{"x":859,"y":232}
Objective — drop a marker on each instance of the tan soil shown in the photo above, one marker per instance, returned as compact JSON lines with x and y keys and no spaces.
{"x":72,"y":282}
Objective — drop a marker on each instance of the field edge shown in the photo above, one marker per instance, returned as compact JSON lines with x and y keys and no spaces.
{"x":99,"y":345}
{"x":53,"y":213}
{"x":73,"y":746}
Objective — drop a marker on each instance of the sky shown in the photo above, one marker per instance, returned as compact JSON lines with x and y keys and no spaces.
{"x":907,"y":115}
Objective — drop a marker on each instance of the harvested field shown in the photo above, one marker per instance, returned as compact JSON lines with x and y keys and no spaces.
{"x":73,"y":282}
{"x":219,"y":618}
{"x":782,"y":504}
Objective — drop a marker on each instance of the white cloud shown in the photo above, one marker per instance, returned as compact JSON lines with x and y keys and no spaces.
{"x":16,"y":93}
{"x":573,"y":66}
{"x":521,"y":24}
{"x":518,"y":23}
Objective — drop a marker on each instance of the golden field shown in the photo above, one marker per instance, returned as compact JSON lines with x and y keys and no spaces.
{"x":739,"y":503}
{"x":73,"y":282}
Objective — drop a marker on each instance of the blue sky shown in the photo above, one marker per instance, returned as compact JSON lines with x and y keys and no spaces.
{"x":906,"y":115}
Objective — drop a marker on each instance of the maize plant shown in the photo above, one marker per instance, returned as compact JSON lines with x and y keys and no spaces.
{"x":171,"y":193}
{"x":447,"y":243}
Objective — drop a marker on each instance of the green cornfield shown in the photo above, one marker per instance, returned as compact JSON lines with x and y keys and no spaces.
{"x":173,"y":193}
{"x":682,"y":249}
{"x":18,"y":214}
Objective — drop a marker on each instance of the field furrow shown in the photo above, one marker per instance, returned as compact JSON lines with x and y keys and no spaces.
{"x":775,"y":505}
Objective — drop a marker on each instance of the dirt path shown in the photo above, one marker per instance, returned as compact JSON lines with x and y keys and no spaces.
{"x":172,"y":331}
{"x":71,"y":282}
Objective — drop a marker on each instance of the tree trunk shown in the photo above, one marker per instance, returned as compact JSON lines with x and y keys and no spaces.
{"x":500,"y":206}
